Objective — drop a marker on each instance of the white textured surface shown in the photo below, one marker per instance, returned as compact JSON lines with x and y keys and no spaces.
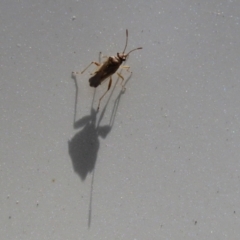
{"x":168,"y":168}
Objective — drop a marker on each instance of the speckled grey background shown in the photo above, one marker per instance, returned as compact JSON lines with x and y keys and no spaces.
{"x":164,"y":155}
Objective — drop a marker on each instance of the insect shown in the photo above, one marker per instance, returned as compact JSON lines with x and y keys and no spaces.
{"x":108,"y":68}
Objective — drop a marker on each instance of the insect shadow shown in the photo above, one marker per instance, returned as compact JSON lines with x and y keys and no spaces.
{"x":83,"y":147}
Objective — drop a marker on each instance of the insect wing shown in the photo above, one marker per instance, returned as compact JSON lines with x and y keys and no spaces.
{"x":95,"y":80}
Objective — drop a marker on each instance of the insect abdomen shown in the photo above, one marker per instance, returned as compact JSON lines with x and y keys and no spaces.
{"x":94,"y":81}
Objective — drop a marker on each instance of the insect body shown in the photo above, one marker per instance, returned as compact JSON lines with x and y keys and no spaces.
{"x":108,"y":68}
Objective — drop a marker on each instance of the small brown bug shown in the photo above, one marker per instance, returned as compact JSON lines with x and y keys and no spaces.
{"x":108,"y":68}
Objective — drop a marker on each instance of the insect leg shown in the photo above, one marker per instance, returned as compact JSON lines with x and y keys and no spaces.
{"x":125,"y":67}
{"x":122,"y":78}
{"x":109,"y":86}
{"x":102,"y":56}
{"x":96,"y":63}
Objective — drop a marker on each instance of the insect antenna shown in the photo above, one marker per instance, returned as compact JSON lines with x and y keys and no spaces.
{"x":133,"y":50}
{"x":126,"y":41}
